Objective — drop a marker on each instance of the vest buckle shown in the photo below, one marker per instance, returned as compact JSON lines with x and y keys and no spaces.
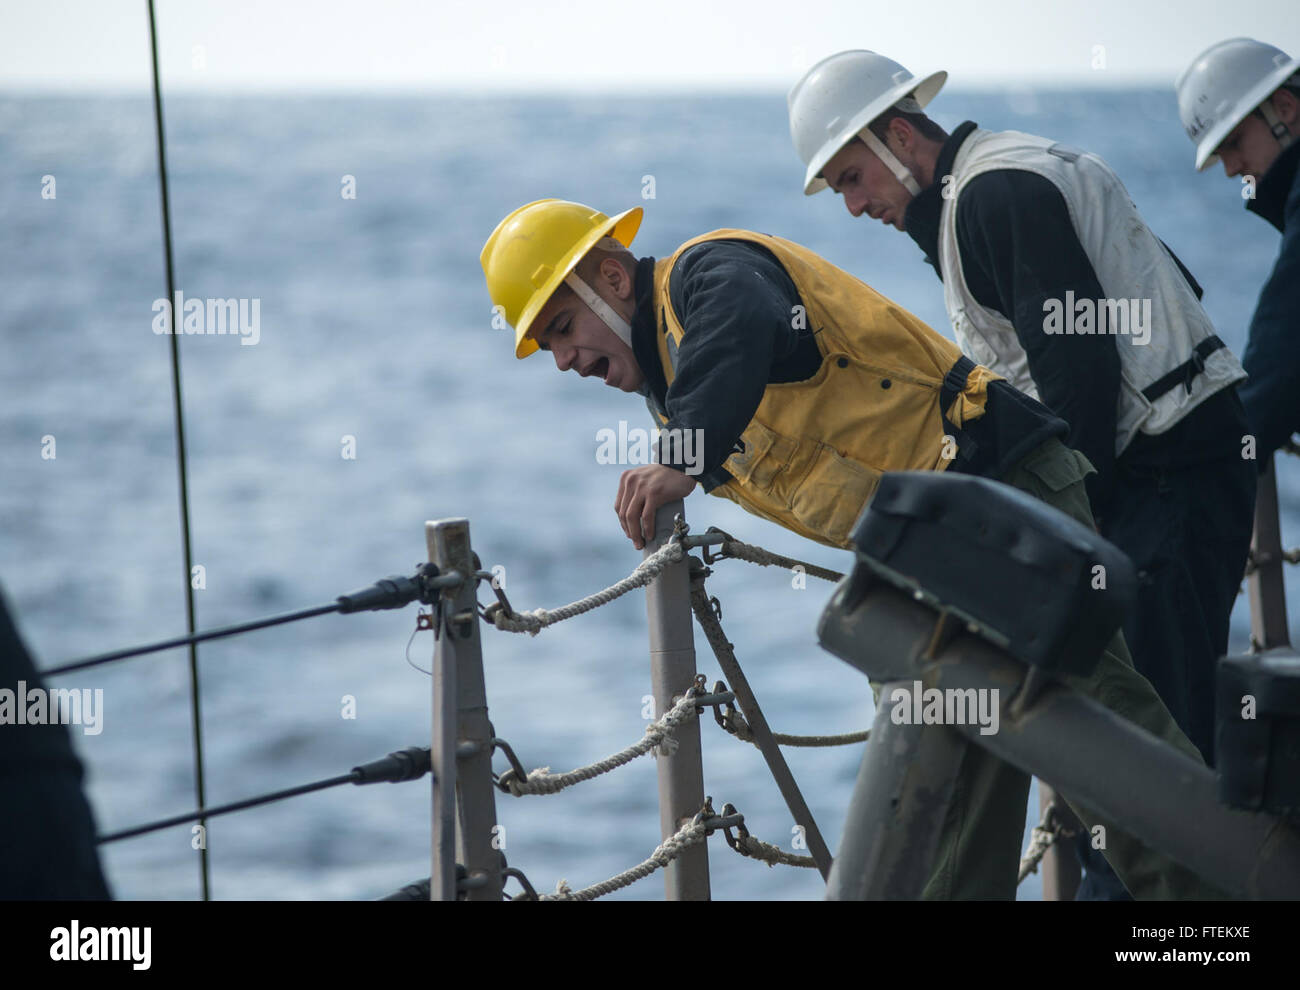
{"x":1195,"y":365}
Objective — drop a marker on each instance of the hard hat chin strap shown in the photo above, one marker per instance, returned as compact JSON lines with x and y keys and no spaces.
{"x":901,"y":172}
{"x":587,"y":294}
{"x":1280,"y":132}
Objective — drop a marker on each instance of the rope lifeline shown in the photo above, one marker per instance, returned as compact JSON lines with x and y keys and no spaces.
{"x":755,"y":848}
{"x":658,"y":733}
{"x":1044,"y":835}
{"x":538,"y":619}
{"x":766,"y":558}
{"x":688,"y":835}
{"x":735,"y":723}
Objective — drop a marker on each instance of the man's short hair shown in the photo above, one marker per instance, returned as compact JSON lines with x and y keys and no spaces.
{"x":1291,"y":85}
{"x":924,"y":126}
{"x":588,"y":268}
{"x":606,"y":247}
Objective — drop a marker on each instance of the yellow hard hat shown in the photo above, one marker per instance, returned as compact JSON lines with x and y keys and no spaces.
{"x":535,"y":247}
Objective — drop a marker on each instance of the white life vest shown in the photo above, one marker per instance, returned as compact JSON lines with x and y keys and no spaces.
{"x":1182,"y":364}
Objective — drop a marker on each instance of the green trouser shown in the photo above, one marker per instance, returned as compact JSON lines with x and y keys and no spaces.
{"x":979,"y":849}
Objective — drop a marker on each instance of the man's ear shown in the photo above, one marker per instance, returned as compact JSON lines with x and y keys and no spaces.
{"x":616,"y":277}
{"x":903,"y":133}
{"x":1287,"y":105}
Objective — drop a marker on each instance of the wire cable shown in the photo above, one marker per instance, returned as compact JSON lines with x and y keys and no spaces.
{"x":178,"y":409}
{"x":192,"y":638}
{"x":403,"y":765}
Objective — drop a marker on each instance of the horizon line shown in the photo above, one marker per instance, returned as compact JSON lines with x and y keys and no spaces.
{"x":981,"y":86}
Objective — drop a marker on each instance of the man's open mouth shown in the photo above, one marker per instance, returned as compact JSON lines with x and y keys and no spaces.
{"x":599,"y":368}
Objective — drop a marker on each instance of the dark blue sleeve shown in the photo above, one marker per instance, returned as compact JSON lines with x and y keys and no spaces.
{"x":1272,"y":393}
{"x":1019,"y":249}
{"x":736,"y":306}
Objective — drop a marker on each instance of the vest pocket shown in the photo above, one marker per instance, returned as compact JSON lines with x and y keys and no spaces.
{"x":766,"y":455}
{"x":1057,"y":466}
{"x":833,"y":495}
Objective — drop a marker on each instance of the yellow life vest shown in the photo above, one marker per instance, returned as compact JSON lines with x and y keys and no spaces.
{"x":814,"y":451}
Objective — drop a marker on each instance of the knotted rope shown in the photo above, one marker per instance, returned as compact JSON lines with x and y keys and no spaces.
{"x":1043,"y":836}
{"x":755,"y":848}
{"x":688,"y":835}
{"x":538,"y":619}
{"x":766,"y":558}
{"x":735,"y":723}
{"x":658,"y":733}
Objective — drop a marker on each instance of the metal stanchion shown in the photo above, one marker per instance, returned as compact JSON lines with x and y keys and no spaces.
{"x":672,"y":673}
{"x":462,"y":736}
{"x":1059,"y":868}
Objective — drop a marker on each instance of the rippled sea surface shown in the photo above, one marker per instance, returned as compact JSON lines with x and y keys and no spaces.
{"x":375,"y":325}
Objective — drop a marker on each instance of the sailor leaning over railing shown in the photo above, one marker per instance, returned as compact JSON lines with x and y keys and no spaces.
{"x":805,"y":385}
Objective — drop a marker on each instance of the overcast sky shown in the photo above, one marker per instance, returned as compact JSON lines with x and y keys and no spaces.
{"x":611,"y":44}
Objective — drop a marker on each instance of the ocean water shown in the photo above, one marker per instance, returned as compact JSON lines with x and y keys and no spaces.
{"x":375,"y":325}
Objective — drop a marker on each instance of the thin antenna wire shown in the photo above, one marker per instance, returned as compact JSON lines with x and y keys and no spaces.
{"x":195,"y":715}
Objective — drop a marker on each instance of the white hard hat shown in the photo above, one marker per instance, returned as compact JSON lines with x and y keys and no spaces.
{"x":1223,"y":85}
{"x":839,"y":96}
